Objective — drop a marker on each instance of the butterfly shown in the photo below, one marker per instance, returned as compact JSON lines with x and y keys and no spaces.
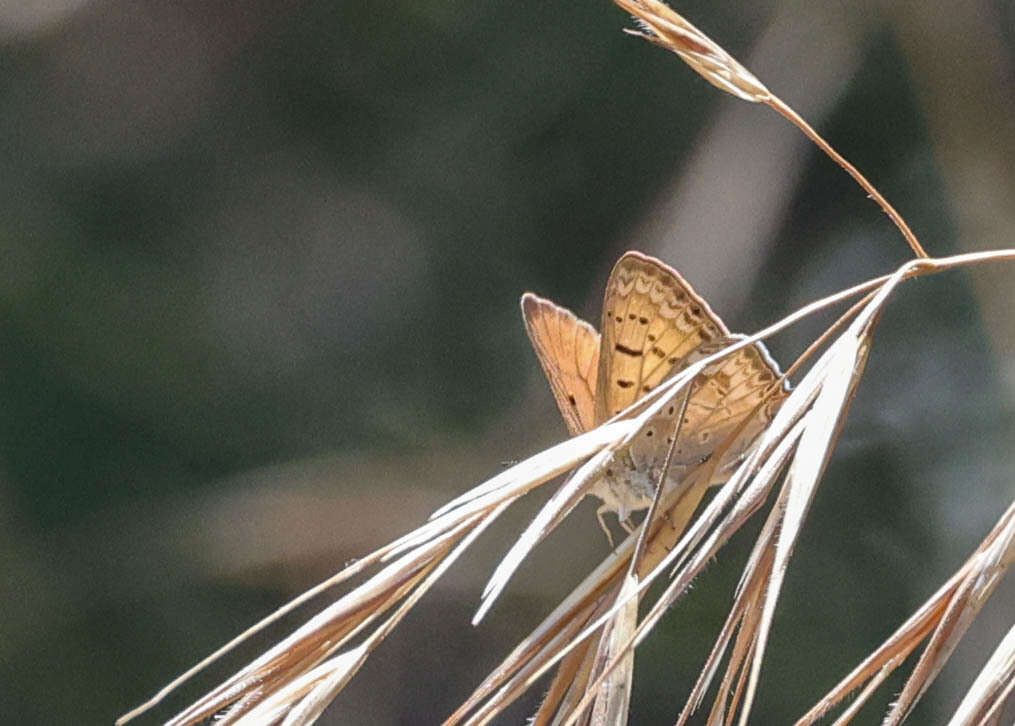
{"x":653,"y":326}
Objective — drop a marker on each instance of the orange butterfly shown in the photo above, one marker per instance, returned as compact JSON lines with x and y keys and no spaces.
{"x":654,"y":325}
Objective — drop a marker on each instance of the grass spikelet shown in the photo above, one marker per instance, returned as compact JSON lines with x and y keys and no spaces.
{"x":666,"y":28}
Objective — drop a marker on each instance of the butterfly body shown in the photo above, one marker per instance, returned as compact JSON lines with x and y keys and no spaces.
{"x":629,"y":483}
{"x":653,"y":326}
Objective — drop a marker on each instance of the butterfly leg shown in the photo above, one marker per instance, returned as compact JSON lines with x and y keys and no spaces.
{"x":600,"y":515}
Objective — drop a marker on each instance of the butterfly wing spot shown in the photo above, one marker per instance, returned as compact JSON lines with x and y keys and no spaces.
{"x":624,"y":384}
{"x":646,"y":388}
{"x":643,"y":320}
{"x":571,"y":399}
{"x":621,"y":348}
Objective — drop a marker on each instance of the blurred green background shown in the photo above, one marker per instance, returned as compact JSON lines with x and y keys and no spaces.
{"x":258,"y":316}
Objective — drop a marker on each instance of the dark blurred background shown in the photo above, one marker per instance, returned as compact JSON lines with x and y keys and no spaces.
{"x":258,"y":316}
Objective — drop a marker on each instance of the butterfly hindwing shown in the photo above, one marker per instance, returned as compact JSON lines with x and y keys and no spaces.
{"x":568,"y":350}
{"x":731,"y":401}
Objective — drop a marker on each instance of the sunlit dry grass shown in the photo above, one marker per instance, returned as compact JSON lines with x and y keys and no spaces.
{"x":590,"y":637}
{"x":591,"y":634}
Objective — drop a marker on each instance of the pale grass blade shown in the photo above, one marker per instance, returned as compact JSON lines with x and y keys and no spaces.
{"x":336,"y":579}
{"x":614,"y":692}
{"x":326,"y":632}
{"x":814,"y":410}
{"x":680,"y":584}
{"x":305,"y":697}
{"x":943,"y":619}
{"x":986,"y":568}
{"x":573,"y":609}
{"x":745,"y":608}
{"x":538,"y":467}
{"x":562,"y":501}
{"x":993,"y":686}
{"x":305,"y":692}
{"x":506,"y":485}
{"x":822,"y":424}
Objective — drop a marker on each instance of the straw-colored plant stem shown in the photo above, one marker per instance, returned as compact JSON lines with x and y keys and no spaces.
{"x":665,"y":27}
{"x":782,"y":108}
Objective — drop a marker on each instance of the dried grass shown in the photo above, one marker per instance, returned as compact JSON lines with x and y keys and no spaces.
{"x":591,"y":636}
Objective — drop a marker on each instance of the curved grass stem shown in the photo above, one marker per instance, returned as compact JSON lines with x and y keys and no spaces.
{"x":797,"y":120}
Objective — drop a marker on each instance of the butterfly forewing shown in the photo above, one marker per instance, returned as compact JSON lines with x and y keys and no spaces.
{"x":568,"y":350}
{"x":652,"y":321}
